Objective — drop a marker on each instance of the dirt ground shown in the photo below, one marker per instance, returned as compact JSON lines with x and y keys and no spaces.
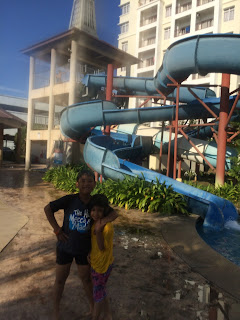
{"x":149,"y":281}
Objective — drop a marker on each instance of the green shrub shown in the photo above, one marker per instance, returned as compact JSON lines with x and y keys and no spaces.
{"x":135,"y":193}
{"x":235,"y":169}
{"x":228,"y":191}
{"x":64,"y":177}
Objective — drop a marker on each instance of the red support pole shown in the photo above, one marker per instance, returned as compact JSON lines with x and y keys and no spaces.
{"x":176,"y":133}
{"x":169,"y":152}
{"x":222,"y":134}
{"x":96,"y":176}
{"x":109,"y":90}
{"x":161,"y":146}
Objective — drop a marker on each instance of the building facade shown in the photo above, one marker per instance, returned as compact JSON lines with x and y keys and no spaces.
{"x":148,"y":27}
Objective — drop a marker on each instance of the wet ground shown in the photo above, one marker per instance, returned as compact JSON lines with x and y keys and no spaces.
{"x":149,"y":280}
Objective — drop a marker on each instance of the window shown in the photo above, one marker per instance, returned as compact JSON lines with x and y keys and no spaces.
{"x":124,"y":27}
{"x":125,"y":8}
{"x":228,"y":14}
{"x":168,"y":11}
{"x":125,"y":46}
{"x":167,"y":33}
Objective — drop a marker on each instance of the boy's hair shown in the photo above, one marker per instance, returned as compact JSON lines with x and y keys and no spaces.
{"x":100,"y":200}
{"x":87,"y":172}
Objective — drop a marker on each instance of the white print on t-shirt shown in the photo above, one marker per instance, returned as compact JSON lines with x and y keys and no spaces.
{"x":79,"y":220}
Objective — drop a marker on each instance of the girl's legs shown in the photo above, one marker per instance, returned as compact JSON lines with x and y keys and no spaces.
{"x":107,"y":311}
{"x":98,"y":310}
{"x":62,"y":272}
{"x":101,"y":305}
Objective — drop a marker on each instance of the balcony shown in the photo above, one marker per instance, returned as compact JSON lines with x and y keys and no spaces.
{"x":142,"y":2}
{"x":183,"y":7}
{"x":147,"y":42}
{"x":149,"y":20}
{"x":204,"y":24}
{"x":181,"y":31}
{"x":146,"y":63}
{"x":201,"y":2}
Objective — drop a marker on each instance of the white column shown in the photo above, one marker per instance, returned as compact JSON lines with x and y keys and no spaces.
{"x":172,"y":32}
{"x":193,"y":17}
{"x":73,"y":73}
{"x":51,"y":105}
{"x":30,"y":115}
{"x":1,"y":144}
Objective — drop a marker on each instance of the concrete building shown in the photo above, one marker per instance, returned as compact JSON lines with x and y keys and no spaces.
{"x":13,"y":114}
{"x":57,"y":66}
{"x":17,"y":107}
{"x":148,"y":27}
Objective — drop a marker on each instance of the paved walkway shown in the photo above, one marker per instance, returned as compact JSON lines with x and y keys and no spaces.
{"x":10,"y":223}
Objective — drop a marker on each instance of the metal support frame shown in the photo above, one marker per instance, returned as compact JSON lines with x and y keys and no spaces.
{"x":109,"y":89}
{"x":222,"y":133}
{"x":224,"y":117}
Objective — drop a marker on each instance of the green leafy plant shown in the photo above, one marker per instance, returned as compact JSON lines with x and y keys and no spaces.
{"x":228,"y":191}
{"x":235,"y":169}
{"x":135,"y":193}
{"x":64,"y":177}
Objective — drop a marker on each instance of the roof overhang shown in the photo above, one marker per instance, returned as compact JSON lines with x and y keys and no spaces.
{"x":91,"y":49}
{"x":9,"y":121}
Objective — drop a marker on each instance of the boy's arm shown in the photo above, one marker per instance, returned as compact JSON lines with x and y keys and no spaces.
{"x":53,"y":222}
{"x":109,"y":218}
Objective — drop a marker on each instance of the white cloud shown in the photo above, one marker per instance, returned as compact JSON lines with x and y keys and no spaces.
{"x":12,"y":90}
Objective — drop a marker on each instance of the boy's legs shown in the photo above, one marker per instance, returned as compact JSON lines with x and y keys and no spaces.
{"x":62,"y":272}
{"x":85,"y":276}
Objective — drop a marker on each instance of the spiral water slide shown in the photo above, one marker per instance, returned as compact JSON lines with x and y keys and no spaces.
{"x":198,"y":54}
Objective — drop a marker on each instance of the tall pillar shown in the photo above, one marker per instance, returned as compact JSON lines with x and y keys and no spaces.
{"x":222,"y":133}
{"x":18,"y":145}
{"x":1,"y":145}
{"x":51,"y":105}
{"x":72,"y":92}
{"x":73,"y":73}
{"x":30,"y":115}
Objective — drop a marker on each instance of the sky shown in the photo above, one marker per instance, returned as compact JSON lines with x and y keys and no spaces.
{"x":26,"y":22}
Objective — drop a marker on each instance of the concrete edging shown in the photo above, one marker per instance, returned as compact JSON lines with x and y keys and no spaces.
{"x":181,"y":235}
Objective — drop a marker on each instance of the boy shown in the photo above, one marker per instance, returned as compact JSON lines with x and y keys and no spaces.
{"x":74,"y":237}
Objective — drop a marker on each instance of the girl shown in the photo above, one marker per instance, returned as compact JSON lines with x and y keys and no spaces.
{"x":101,"y":256}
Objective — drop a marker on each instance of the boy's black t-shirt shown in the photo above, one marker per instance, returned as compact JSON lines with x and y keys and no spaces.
{"x":76,"y":224}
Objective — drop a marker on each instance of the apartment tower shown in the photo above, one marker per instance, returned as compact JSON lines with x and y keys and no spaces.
{"x":148,"y":27}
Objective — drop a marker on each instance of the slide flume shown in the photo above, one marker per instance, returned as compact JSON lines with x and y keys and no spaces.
{"x":200,"y":54}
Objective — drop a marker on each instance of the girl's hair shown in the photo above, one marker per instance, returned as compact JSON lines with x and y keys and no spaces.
{"x":100,"y":200}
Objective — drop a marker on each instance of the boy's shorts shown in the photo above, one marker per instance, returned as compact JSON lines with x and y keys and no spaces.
{"x":65,"y":258}
{"x":99,"y":283}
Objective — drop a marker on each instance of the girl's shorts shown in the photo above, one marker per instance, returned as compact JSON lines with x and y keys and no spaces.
{"x":99,"y":283}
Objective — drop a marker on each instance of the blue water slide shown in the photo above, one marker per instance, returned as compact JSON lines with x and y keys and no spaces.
{"x":141,"y":87}
{"x":199,"y":54}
